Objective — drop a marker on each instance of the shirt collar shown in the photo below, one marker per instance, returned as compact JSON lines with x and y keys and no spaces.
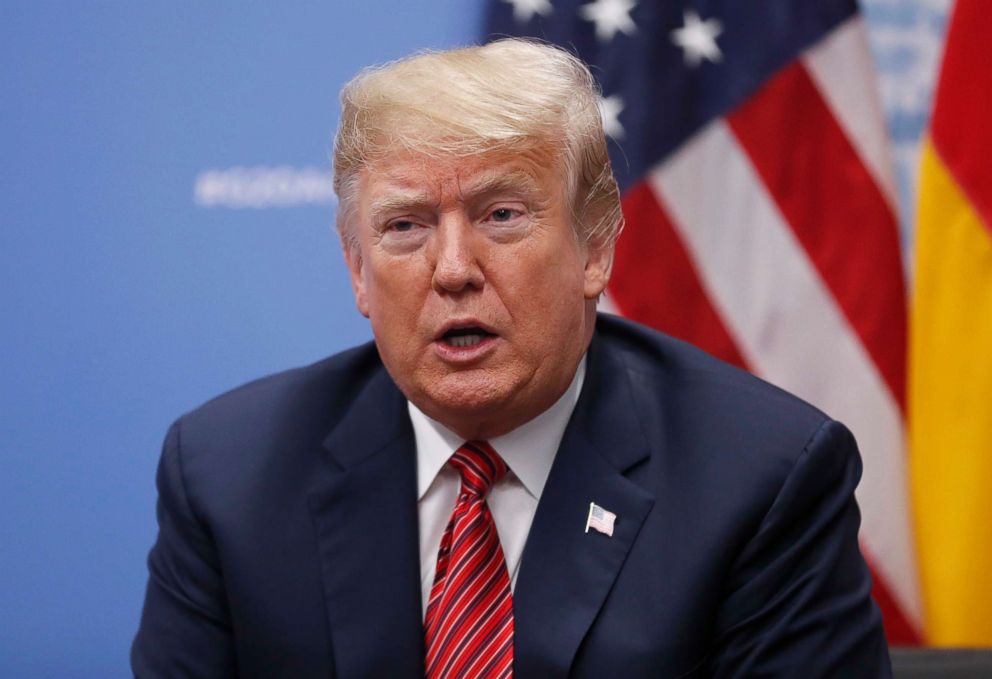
{"x":529,"y":450}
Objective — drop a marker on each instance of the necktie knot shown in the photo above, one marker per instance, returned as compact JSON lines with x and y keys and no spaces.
{"x":480,"y":467}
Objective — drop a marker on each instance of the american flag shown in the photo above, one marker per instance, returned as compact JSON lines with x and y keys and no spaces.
{"x":600,"y":520}
{"x":753,"y":160}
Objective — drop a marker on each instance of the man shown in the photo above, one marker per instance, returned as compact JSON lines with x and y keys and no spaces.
{"x":503,"y":482}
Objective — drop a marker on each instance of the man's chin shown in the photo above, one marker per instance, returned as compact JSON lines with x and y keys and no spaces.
{"x":474,"y":408}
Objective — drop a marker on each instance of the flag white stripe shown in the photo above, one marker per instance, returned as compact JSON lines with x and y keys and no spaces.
{"x":789,"y":328}
{"x":607,"y":305}
{"x":840,"y":66}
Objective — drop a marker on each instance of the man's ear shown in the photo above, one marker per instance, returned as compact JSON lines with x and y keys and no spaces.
{"x":599,"y":265}
{"x":353,"y":257}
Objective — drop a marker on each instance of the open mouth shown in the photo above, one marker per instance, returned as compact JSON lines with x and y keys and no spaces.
{"x":465,"y":337}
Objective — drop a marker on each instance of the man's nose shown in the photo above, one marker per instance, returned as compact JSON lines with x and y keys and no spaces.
{"x":456,"y":263}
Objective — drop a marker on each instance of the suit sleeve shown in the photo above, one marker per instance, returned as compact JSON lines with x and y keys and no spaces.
{"x":185,"y":626}
{"x":799,"y":600}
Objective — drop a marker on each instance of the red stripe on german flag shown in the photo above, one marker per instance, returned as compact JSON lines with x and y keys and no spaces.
{"x":964,"y":102}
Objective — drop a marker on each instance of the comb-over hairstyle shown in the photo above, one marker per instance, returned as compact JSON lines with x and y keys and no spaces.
{"x":510,"y":96}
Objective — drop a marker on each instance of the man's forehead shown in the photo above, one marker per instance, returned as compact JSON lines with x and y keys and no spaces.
{"x":418,"y":175}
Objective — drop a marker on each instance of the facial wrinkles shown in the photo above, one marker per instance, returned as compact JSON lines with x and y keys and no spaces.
{"x":522,"y":282}
{"x":465,"y":191}
{"x":483,"y":174}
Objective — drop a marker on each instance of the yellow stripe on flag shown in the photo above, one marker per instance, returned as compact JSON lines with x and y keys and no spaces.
{"x":950,"y":410}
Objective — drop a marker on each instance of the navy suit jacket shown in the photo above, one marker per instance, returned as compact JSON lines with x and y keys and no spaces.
{"x":288,"y":542}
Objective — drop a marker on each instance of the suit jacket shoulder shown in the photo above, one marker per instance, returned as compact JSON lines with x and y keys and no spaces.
{"x":239,"y":571}
{"x":709,"y":422}
{"x":273,"y":425}
{"x":753,"y":531}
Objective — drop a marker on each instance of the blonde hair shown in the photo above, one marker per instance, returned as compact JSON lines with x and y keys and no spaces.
{"x":510,"y":96}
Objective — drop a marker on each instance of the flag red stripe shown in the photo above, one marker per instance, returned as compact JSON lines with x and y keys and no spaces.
{"x":835,"y":209}
{"x":960,"y":130}
{"x":899,"y":631}
{"x":655,"y":282}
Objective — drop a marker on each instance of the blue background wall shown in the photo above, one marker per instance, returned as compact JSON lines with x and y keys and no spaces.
{"x":124,"y":303}
{"x":127,"y":297}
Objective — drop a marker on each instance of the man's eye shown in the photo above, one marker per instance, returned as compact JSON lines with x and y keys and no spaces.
{"x":503,"y":214}
{"x":402,"y":226}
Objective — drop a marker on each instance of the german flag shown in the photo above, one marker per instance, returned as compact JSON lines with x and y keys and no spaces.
{"x":950,"y":391}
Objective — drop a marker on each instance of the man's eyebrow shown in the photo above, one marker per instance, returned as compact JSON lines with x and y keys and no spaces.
{"x":513,"y":181}
{"x":398,"y":202}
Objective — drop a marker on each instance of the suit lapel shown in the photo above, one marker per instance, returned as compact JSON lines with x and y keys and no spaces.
{"x":364,"y":507}
{"x":566,"y":573}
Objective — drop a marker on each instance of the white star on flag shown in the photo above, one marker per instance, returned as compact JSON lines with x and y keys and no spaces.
{"x":609,"y":110}
{"x":524,"y":10}
{"x":697,"y":39}
{"x":610,"y":16}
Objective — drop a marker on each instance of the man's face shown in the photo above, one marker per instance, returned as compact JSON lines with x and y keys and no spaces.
{"x":481,"y":298}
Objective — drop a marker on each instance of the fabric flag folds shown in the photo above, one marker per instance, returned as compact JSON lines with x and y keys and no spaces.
{"x":951,"y":343}
{"x":753,"y":161}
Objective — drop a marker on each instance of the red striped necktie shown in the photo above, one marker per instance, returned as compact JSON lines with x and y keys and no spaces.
{"x":469,"y":622}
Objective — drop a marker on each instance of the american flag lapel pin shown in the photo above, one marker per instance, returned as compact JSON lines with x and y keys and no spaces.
{"x":600,"y":520}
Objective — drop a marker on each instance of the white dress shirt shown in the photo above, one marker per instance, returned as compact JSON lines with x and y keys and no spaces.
{"x":528,"y":451}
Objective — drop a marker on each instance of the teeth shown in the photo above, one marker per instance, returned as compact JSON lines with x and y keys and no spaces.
{"x":464,"y":340}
